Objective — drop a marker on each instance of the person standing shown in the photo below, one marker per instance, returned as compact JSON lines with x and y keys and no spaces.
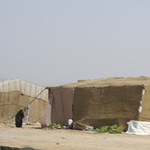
{"x":18,"y":118}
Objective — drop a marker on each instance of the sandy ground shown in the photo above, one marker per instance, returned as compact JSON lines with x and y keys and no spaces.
{"x":37,"y":138}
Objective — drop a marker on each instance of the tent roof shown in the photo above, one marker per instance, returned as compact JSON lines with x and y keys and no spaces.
{"x":23,"y":87}
{"x":116,"y":81}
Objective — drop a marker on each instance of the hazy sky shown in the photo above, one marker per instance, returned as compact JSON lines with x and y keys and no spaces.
{"x":52,"y":42}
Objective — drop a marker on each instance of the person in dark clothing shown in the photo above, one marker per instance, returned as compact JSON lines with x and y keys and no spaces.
{"x":19,"y":117}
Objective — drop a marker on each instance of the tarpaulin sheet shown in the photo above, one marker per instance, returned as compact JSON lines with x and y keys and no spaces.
{"x":59,"y":108}
{"x":138,"y":127}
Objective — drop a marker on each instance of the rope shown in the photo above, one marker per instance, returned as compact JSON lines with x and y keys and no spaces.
{"x":36,"y":97}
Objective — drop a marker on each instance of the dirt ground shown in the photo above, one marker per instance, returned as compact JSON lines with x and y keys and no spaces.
{"x":33,"y":137}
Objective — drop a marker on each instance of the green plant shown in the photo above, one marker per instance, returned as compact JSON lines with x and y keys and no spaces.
{"x":54,"y":126}
{"x":109,"y":129}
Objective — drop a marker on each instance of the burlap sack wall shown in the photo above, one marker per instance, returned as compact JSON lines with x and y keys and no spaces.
{"x":11,"y":102}
{"x":106,"y":106}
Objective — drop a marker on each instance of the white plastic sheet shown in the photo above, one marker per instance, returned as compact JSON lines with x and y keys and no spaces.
{"x":138,"y":127}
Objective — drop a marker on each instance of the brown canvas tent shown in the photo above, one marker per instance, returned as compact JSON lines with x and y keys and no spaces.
{"x":99,"y":102}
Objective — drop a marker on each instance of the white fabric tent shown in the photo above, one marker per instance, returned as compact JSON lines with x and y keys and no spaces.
{"x":23,"y":87}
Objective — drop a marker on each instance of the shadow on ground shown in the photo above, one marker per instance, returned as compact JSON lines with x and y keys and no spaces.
{"x":14,"y":148}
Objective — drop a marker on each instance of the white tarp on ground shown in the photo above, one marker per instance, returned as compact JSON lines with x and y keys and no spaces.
{"x":24,"y":87}
{"x":138,"y":127}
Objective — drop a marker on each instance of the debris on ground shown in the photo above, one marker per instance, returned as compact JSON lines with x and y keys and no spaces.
{"x":2,"y":125}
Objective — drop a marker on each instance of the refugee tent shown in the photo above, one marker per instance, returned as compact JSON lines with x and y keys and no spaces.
{"x":16,"y":95}
{"x":99,"y":102}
